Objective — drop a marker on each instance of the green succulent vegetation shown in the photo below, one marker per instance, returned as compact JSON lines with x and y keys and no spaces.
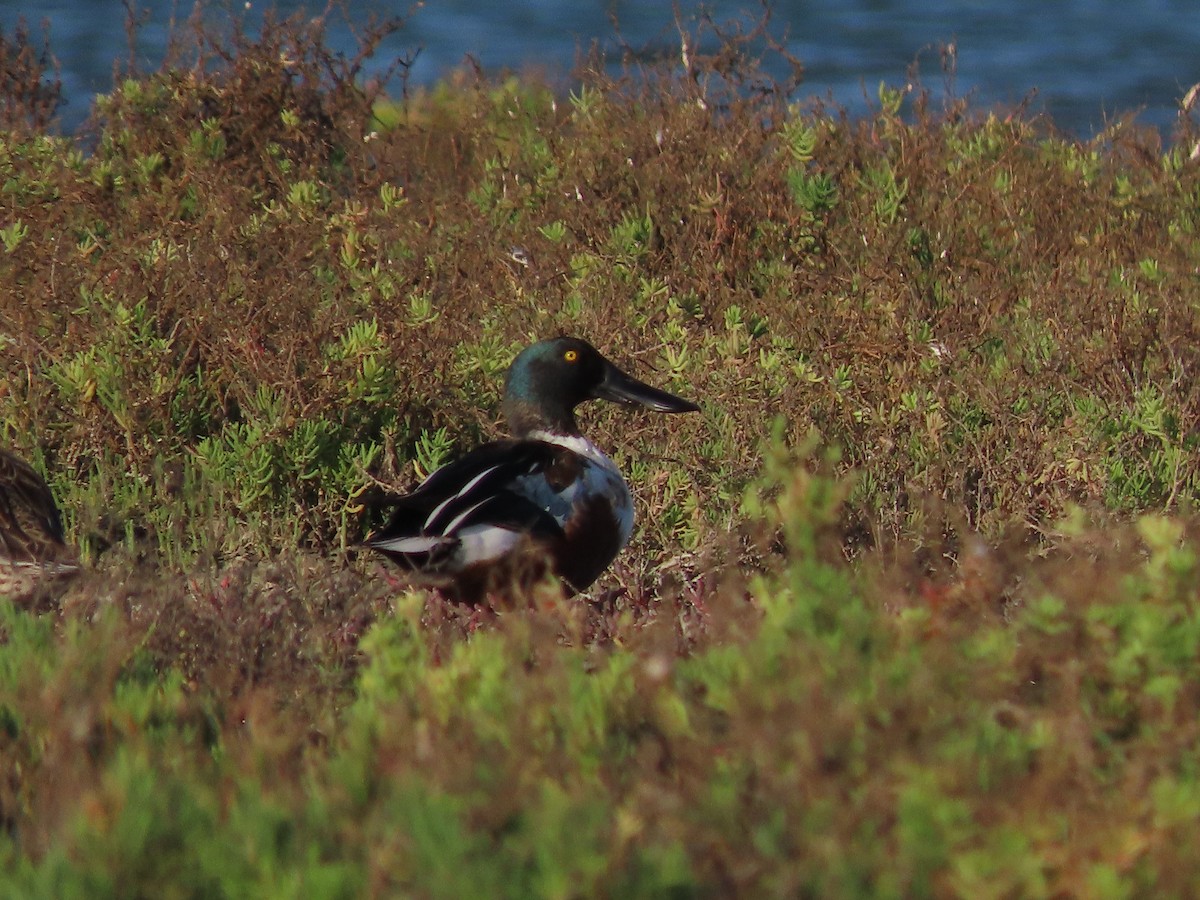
{"x":911,"y":608}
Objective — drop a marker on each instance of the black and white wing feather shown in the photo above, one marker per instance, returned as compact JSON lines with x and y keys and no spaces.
{"x":474,"y":510}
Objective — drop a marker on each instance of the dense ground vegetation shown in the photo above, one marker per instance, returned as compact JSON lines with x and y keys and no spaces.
{"x":911,"y":608}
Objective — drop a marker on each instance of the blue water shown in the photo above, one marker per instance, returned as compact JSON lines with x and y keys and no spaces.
{"x":1081,"y":61}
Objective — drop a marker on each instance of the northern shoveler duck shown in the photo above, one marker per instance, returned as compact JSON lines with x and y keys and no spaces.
{"x":546,"y":498}
{"x":32,"y":548}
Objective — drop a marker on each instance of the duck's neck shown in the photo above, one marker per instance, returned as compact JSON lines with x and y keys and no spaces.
{"x":524,"y":418}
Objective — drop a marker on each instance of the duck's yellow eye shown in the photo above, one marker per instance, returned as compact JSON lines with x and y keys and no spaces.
{"x":571,"y":355}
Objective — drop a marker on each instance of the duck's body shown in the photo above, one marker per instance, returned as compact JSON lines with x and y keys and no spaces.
{"x":32,"y":547}
{"x":548,"y":500}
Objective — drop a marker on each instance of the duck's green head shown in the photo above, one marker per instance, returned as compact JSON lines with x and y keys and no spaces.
{"x":549,"y":379}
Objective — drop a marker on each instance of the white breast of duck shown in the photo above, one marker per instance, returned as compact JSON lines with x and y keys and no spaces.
{"x":598,"y":478}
